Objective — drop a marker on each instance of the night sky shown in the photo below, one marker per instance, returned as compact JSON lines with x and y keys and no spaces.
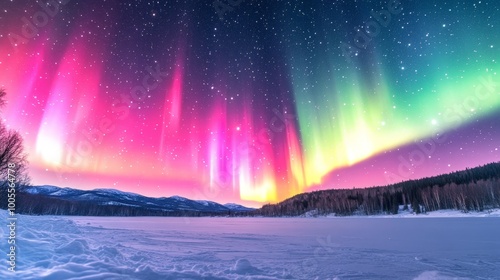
{"x":250,"y":102}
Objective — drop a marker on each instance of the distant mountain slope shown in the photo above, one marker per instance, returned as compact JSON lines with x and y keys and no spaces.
{"x":67,"y":201}
{"x":237,"y":207}
{"x":475,"y":189}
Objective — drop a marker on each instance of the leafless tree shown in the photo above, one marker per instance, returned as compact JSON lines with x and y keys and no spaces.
{"x":12,"y":154}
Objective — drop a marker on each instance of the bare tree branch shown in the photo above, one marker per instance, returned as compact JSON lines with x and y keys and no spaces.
{"x":12,"y":152}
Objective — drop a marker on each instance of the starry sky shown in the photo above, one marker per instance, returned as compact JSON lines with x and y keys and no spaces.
{"x":250,"y":101}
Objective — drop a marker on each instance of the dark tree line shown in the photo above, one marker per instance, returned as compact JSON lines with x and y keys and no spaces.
{"x":476,"y":189}
{"x":35,"y":204}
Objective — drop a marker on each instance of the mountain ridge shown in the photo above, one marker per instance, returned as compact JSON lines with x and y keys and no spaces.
{"x":113,"y":197}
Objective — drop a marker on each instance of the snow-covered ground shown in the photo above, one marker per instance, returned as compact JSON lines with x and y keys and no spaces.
{"x":493,"y":213}
{"x":449,"y":214}
{"x":253,"y":248}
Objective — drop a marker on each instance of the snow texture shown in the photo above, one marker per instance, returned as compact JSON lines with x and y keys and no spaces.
{"x":253,"y":248}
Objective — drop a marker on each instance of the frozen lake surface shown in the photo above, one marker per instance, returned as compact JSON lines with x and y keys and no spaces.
{"x":254,"y":248}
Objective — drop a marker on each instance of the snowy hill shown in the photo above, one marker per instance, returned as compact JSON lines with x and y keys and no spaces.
{"x":120,"y":198}
{"x":237,"y":207}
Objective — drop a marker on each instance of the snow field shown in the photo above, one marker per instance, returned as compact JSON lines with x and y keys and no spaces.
{"x":253,"y":248}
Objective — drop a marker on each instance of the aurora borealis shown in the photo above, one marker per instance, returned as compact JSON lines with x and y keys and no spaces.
{"x":164,"y":98}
